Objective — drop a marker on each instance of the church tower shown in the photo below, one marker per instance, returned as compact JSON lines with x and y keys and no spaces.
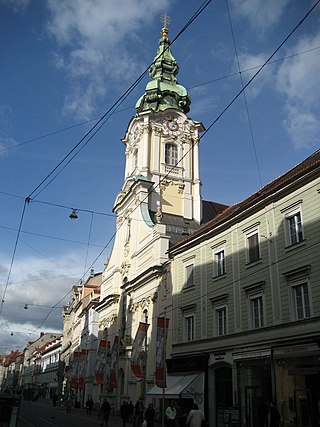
{"x":162,"y":145}
{"x":159,"y":204}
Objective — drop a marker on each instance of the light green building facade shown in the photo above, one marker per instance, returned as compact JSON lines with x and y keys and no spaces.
{"x":246,"y":305}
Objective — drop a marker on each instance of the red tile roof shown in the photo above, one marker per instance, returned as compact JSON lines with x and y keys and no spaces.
{"x":308,"y":165}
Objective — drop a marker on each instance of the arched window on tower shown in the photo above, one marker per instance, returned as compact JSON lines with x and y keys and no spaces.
{"x":171,"y":154}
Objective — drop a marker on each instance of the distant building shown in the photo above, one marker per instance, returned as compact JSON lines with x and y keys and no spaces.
{"x":31,"y":370}
{"x":50,"y":367}
{"x":80,"y":342}
{"x":246,"y":304}
{"x":11,"y":367}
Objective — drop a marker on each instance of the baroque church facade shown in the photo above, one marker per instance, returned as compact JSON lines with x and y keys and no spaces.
{"x":159,"y":204}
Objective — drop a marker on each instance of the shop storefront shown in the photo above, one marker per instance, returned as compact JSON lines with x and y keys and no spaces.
{"x":254,"y":384}
{"x":297,"y":375}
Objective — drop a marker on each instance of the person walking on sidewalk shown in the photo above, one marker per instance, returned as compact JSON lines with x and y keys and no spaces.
{"x":124,"y":413}
{"x":89,"y":405}
{"x":149,"y":416}
{"x":171,"y":415}
{"x":105,"y":413}
{"x":195,"y":417}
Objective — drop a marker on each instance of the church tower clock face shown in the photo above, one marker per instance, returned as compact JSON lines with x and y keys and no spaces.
{"x":172,"y":125}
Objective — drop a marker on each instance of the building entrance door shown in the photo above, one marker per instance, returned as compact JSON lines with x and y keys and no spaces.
{"x":303,"y":408}
{"x":223,"y":393}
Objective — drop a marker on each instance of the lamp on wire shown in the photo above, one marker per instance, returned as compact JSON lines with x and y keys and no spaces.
{"x":73,"y":214}
{"x":26,"y":307}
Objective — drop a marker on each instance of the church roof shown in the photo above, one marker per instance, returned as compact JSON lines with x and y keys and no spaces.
{"x":178,"y":227}
{"x":294,"y":175}
{"x":163,"y":91}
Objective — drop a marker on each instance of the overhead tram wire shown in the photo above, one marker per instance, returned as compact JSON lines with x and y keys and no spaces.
{"x":261,"y":68}
{"x":244,"y":96}
{"x":232,"y":101}
{"x":40,"y":187}
{"x":190,"y":88}
{"x":94,"y":129}
{"x":13,"y":256}
{"x":221,"y":114}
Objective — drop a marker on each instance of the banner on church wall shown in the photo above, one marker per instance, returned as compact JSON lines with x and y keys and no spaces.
{"x":114,"y":359}
{"x":137,"y":348}
{"x":162,"y":333}
{"x":101,"y":360}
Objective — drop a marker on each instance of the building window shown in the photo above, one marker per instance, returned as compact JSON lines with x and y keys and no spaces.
{"x":189,"y":327}
{"x":189,"y":276}
{"x":171,"y":154}
{"x":221,"y":320}
{"x":252,"y":247}
{"x":301,"y":302}
{"x":256,"y":311}
{"x":294,"y":229}
{"x":219,"y":268}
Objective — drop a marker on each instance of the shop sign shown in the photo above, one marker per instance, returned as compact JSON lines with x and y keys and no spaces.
{"x":307,"y":370}
{"x":295,"y":350}
{"x":219,"y":356}
{"x":252,"y":355}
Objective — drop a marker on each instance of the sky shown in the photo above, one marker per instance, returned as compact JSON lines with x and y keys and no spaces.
{"x":64,"y":64}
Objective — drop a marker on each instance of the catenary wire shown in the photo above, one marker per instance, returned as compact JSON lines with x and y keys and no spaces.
{"x":190,"y":88}
{"x":244,"y":96}
{"x":36,"y":191}
{"x":254,"y":76}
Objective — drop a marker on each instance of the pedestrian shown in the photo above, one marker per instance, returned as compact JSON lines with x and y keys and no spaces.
{"x":262,"y":413}
{"x":195,"y":417}
{"x":137,"y":417}
{"x":89,"y":405}
{"x":149,"y":416}
{"x":274,"y":415}
{"x":105,"y":412}
{"x":54,"y":399}
{"x":68,"y":405}
{"x":130,"y":411}
{"x":171,"y":415}
{"x":124,"y":413}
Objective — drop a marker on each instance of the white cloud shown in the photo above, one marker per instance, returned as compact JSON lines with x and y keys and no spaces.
{"x":261,"y":14}
{"x":41,"y":284}
{"x":252,"y":63}
{"x":96,"y":39}
{"x":17,"y":6}
{"x":298,"y":80}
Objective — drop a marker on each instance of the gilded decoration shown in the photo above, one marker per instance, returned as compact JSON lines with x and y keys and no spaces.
{"x":143,"y":304}
{"x":120,"y":220}
{"x":125,"y":269}
{"x":108,"y":321}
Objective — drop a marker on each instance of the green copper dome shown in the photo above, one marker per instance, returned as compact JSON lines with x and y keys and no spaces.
{"x":163,"y":91}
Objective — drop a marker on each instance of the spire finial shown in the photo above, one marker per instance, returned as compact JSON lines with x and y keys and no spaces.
{"x":165,"y":18}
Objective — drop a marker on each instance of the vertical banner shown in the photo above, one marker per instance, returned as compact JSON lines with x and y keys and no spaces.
{"x":82,"y":367}
{"x":114,"y":359}
{"x":136,"y":349}
{"x":101,"y":361}
{"x":162,"y":333}
{"x":75,"y":367}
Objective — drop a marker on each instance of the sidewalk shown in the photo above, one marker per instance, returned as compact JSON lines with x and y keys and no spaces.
{"x":92,"y":419}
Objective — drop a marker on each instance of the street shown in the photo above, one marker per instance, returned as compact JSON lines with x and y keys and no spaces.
{"x":43,"y":414}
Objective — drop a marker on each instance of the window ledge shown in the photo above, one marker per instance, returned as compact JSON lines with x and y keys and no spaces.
{"x":295,"y":246}
{"x":189,"y":288}
{"x":252,"y":264}
{"x":221,"y":276}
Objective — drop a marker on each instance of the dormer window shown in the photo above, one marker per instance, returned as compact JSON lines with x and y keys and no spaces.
{"x":171,"y":154}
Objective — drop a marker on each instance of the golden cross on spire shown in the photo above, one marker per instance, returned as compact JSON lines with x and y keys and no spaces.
{"x":165,"y":18}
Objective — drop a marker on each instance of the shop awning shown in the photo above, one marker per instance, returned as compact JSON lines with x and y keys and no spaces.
{"x":186,"y":386}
